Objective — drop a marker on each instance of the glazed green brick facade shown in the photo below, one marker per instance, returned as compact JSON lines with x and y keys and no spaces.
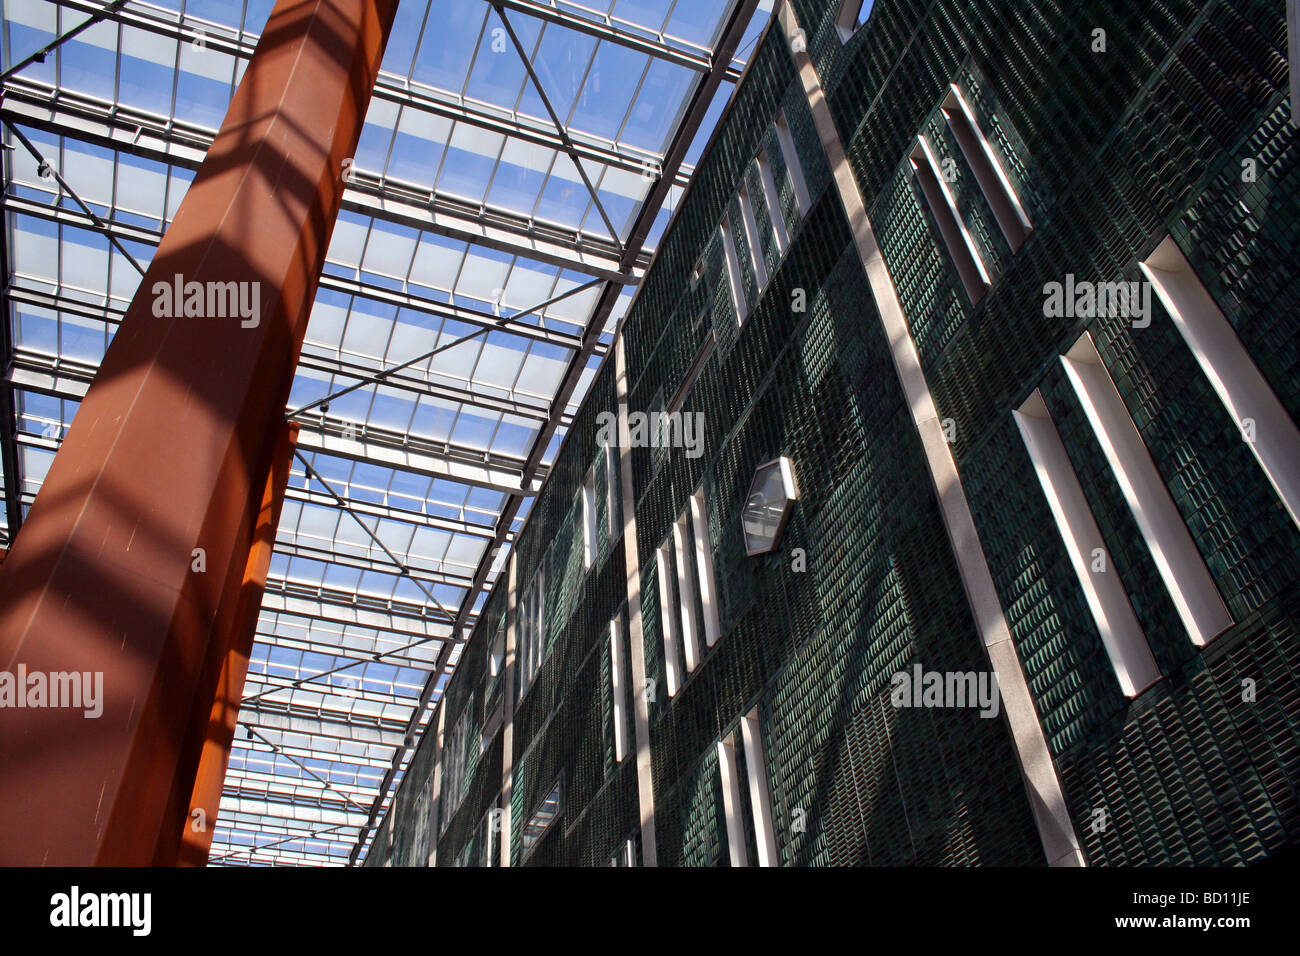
{"x":1108,"y":152}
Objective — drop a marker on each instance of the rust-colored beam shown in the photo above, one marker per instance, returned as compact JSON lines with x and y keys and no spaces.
{"x":218,"y":722}
{"x":133,"y":556}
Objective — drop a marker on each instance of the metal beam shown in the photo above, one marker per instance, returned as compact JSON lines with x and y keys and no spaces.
{"x":534,"y":408}
{"x":421,"y":209}
{"x":174,"y":26}
{"x":258,"y":847}
{"x":295,"y":549}
{"x":395,"y":450}
{"x":125,"y":127}
{"x":345,"y":607}
{"x":418,"y":518}
{"x":366,"y":444}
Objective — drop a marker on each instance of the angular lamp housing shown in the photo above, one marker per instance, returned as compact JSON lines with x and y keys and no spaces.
{"x":767,"y":507}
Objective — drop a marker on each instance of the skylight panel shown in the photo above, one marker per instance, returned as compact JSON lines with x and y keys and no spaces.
{"x":412,"y":337}
{"x":457,"y":364}
{"x":227,"y":12}
{"x":141,"y":186}
{"x":470,"y":159}
{"x":514,"y":437}
{"x":698,"y":22}
{"x":369,"y":325}
{"x":484,"y":274}
{"x":516,"y":186}
{"x":376,"y":135}
{"x":542,"y":370}
{"x":449,"y":44}
{"x":329,"y":315}
{"x":433,"y":419}
{"x":437,"y":261}
{"x":82,"y":339}
{"x":610,"y":88}
{"x":564,"y":199}
{"x":35,"y":250}
{"x":474,"y":429}
{"x":529,"y":283}
{"x":500,"y":360}
{"x":650,"y":14}
{"x":85,"y":266}
{"x":392,"y":409}
{"x":404,"y":38}
{"x":576,"y":308}
{"x":34,"y":464}
{"x":498,"y":75}
{"x":89,"y":168}
{"x":31,"y":24}
{"x":390,"y":250}
{"x":204,"y":86}
{"x":658,"y":105}
{"x":561,"y":63}
{"x":146,"y":70}
{"x":348,"y":241}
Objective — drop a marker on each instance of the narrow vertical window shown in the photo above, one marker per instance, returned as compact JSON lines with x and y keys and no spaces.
{"x":1268,"y":430}
{"x":1121,"y":635}
{"x":532,"y":630}
{"x":989,"y":174}
{"x":732,"y":801}
{"x":759,"y":796}
{"x":752,"y":240}
{"x":772,"y":200}
{"x":699,"y":511}
{"x":792,"y":165}
{"x":613,"y":504}
{"x":541,"y":820}
{"x":683,"y":544}
{"x":734,"y":281}
{"x":961,"y":247}
{"x":668,"y":618}
{"x":589,"y":518}
{"x":1175,"y":554}
{"x":618,"y":688}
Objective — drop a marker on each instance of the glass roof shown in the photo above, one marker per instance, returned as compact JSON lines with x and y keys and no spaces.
{"x":505,"y":168}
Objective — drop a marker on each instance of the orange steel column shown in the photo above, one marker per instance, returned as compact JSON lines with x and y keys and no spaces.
{"x":133,"y":556}
{"x":217,"y":727}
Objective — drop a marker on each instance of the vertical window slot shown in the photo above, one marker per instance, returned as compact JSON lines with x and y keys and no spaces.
{"x":732,"y":801}
{"x":1265,"y":425}
{"x":682,"y":545}
{"x":792,"y":165}
{"x":704,"y":566}
{"x":734,"y":281}
{"x":1176,"y":557}
{"x":961,"y":248}
{"x":1121,"y":635}
{"x":668,"y":619}
{"x":752,"y":237}
{"x":989,"y":174}
{"x":759,"y":796}
{"x":772,"y":199}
